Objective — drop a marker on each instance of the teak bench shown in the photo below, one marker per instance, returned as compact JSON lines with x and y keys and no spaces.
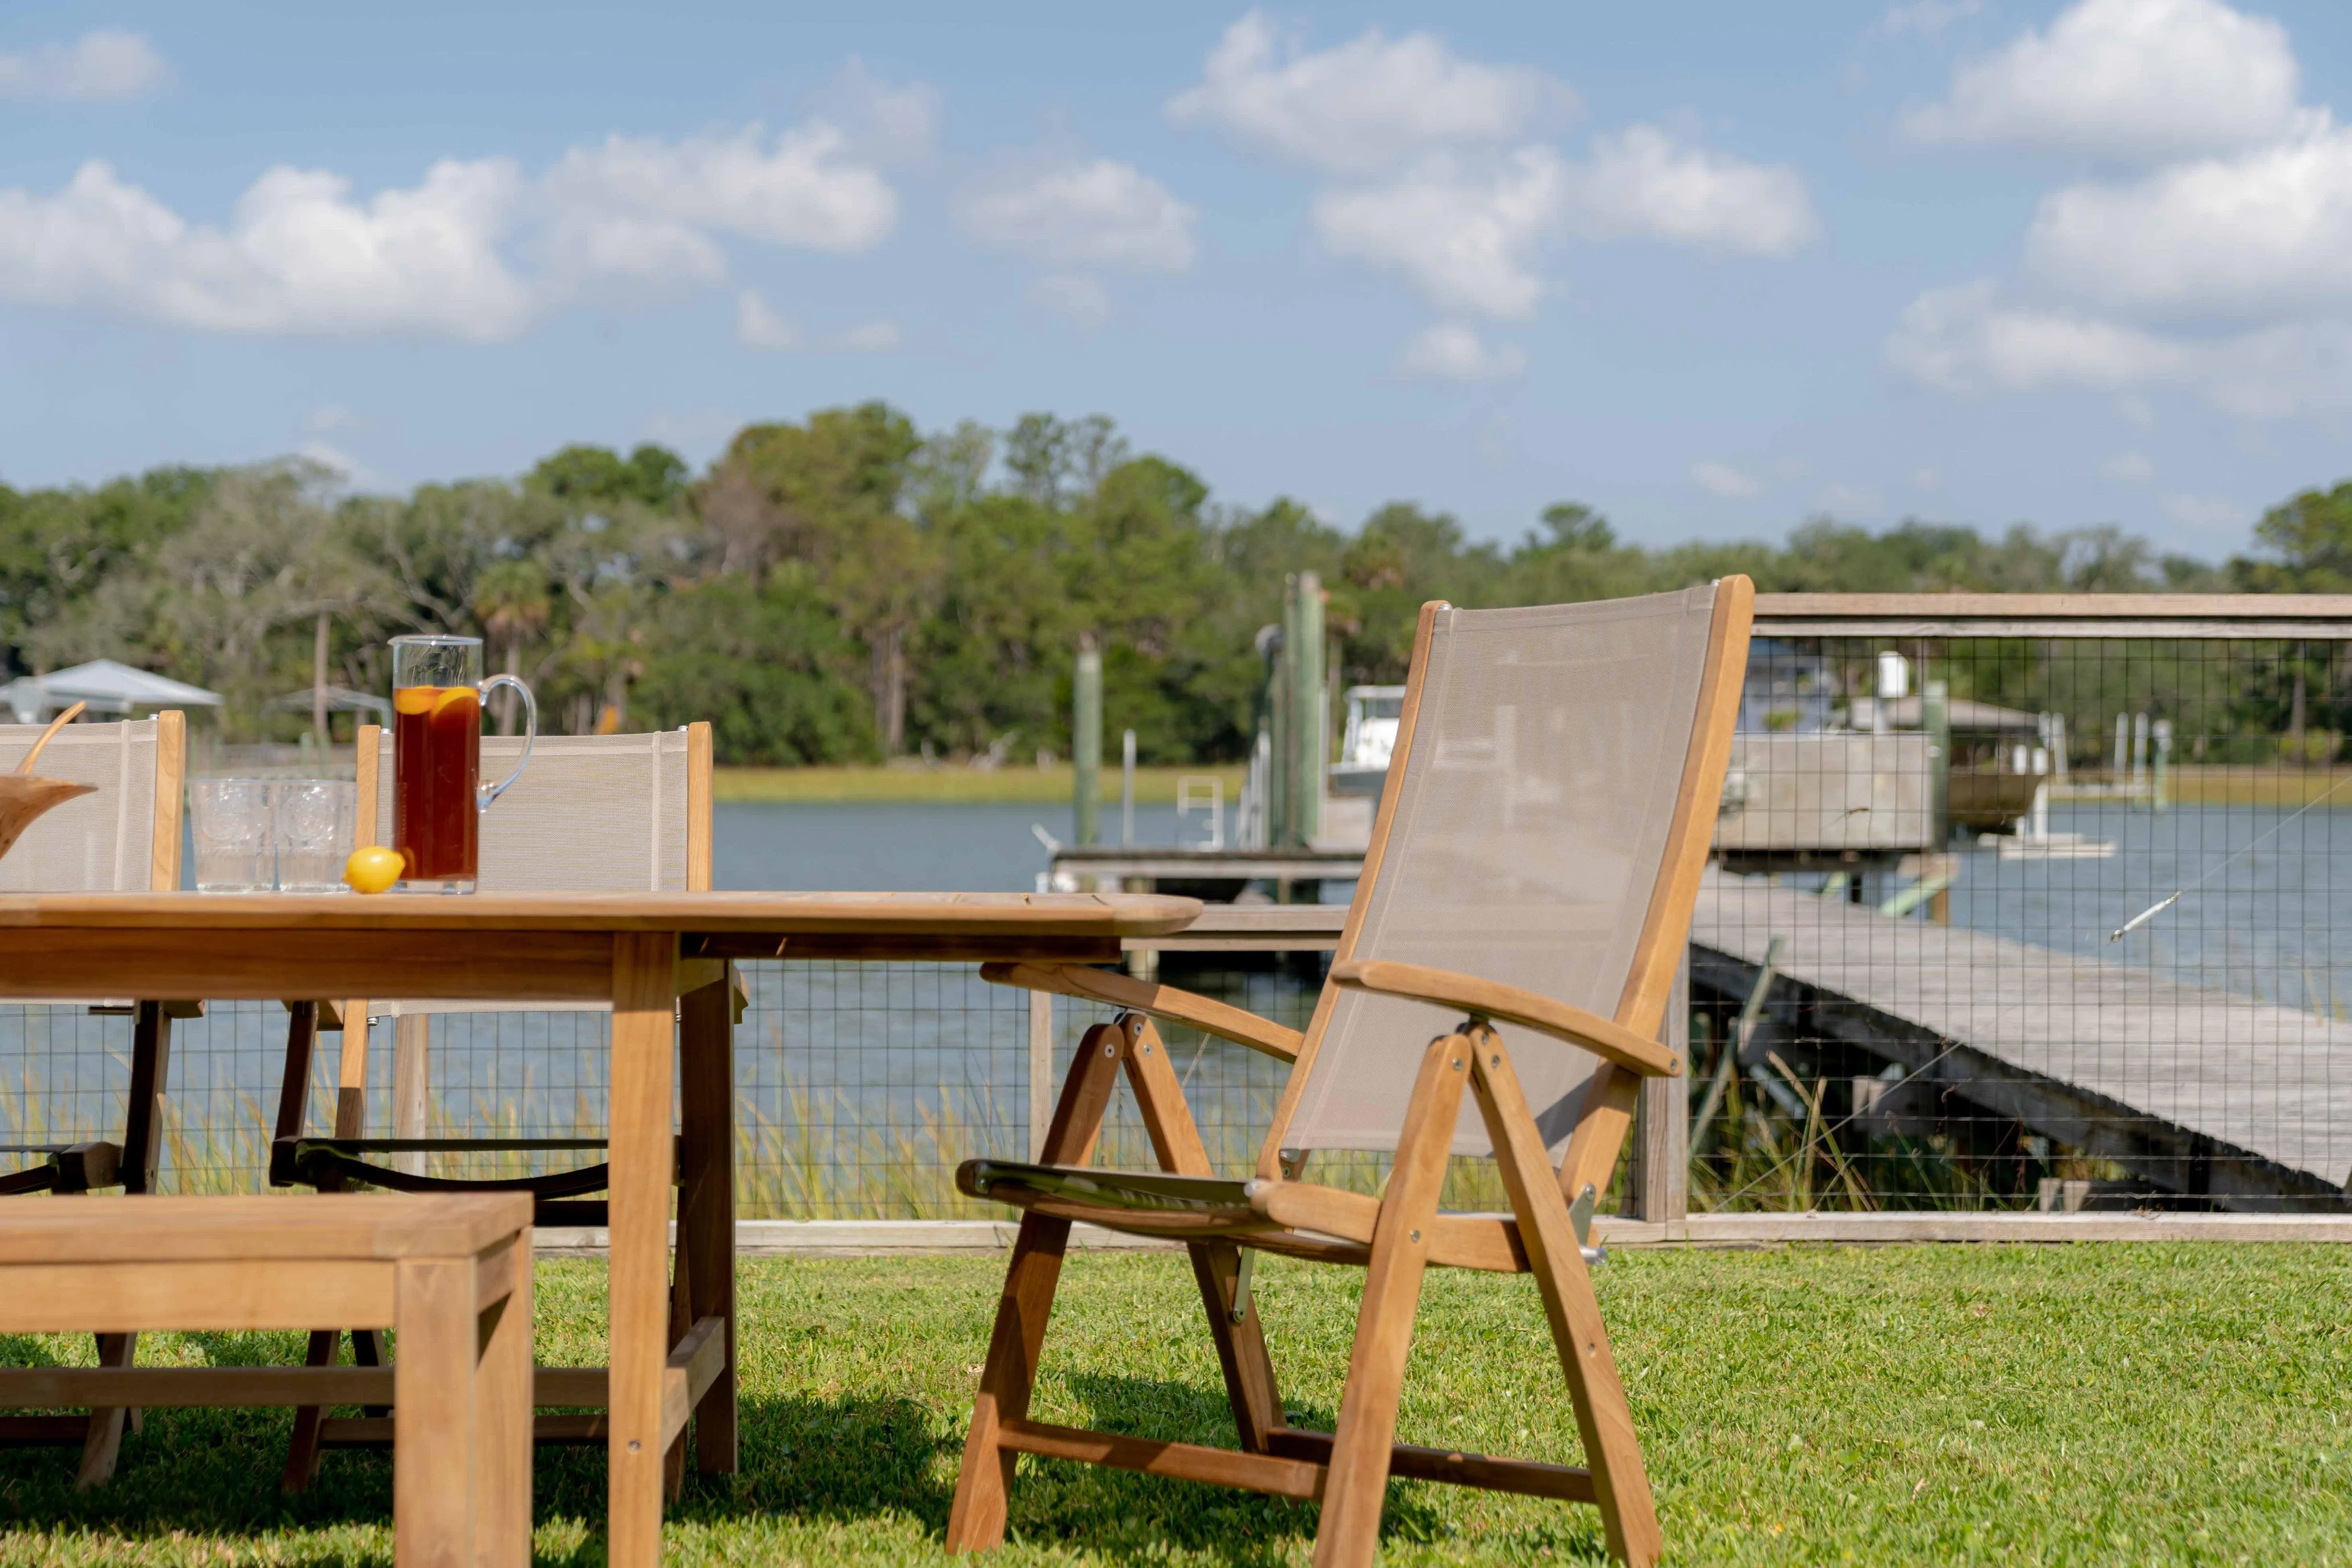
{"x":451,"y":1274}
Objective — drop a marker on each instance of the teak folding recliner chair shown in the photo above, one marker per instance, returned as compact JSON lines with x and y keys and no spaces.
{"x":609,"y":813}
{"x":122,"y":838}
{"x":1530,"y":880}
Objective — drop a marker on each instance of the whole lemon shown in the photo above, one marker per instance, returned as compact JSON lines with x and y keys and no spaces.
{"x":373,"y":869}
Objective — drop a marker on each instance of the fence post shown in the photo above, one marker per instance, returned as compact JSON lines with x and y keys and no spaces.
{"x":1660,"y":1179}
{"x":411,"y":1087}
{"x":1041,"y":1070}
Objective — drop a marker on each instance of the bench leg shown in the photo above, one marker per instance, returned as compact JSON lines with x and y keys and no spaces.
{"x":502,"y":1423}
{"x":435,"y":1471}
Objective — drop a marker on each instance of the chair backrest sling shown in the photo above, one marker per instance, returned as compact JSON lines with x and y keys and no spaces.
{"x":592,"y":813}
{"x":1541,"y":829}
{"x":125,"y":838}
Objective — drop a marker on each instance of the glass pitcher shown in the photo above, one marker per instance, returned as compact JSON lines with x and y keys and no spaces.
{"x":438,"y":796}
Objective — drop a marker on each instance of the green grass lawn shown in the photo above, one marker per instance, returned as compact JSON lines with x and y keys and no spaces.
{"x":2085,"y":1404}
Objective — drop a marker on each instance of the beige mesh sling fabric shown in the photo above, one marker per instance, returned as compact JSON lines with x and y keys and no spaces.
{"x":591,"y":813}
{"x":1497,"y":991}
{"x":105,"y":841}
{"x":124,"y":836}
{"x":613,"y":813}
{"x":1530,"y":822}
{"x":609,"y":813}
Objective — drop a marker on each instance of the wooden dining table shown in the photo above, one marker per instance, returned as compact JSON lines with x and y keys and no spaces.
{"x":630,"y":949}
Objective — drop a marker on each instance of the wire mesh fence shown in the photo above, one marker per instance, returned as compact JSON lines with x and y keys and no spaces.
{"x":1994,"y":922}
{"x":2009,"y":922}
{"x":860,"y":1086}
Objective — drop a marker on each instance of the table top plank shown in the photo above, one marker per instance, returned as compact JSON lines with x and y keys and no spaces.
{"x":970,"y":914}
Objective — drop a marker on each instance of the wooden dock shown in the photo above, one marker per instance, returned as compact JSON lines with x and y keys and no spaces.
{"x":2200,"y":1091}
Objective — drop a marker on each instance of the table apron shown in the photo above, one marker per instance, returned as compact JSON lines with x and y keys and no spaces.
{"x":922,"y":947}
{"x":267,"y":965}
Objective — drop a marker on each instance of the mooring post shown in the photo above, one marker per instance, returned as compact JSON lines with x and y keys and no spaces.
{"x":1126,"y":789}
{"x":1086,"y":742}
{"x":1310,"y":706}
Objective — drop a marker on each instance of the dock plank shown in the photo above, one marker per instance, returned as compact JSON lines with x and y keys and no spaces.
{"x":2270,"y":1082}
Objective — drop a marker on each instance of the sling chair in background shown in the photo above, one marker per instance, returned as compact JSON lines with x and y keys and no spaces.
{"x":607,"y":813}
{"x":124,"y":838}
{"x":1530,"y":878}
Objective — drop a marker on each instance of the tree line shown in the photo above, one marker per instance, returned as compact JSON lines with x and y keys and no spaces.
{"x":850,"y":587}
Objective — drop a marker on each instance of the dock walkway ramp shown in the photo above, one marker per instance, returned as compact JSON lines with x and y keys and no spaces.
{"x":2202,"y":1091}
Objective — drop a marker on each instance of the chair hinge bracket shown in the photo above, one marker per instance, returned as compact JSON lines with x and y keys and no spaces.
{"x":1241,"y":1307}
{"x":1579,"y":1219}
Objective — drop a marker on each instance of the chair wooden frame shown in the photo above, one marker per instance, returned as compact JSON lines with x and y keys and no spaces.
{"x":131,"y":1164}
{"x":711,"y":999}
{"x":1394,"y":1237}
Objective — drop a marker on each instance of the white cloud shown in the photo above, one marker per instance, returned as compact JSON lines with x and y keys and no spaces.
{"x":1967,"y":339}
{"x":106,"y":65}
{"x":2264,"y":231}
{"x":1466,"y":232}
{"x":759,"y":325}
{"x":1073,"y":295}
{"x":2206,"y":512}
{"x":2136,"y":407}
{"x":302,"y":254}
{"x":1722,"y":479}
{"x":885,"y":122}
{"x":2135,"y":78}
{"x":1367,"y":105}
{"x":1083,"y":213}
{"x":2128,"y":468}
{"x":1925,"y":478}
{"x":1970,"y":340}
{"x":329,"y":417}
{"x":1454,"y":353}
{"x":638,"y":207}
{"x":1466,"y":240}
{"x":1849,"y":500}
{"x":1640,"y":181}
{"x":1925,"y":17}
{"x":299,"y":256}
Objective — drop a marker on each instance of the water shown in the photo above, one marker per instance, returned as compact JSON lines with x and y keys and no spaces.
{"x":893,"y":848}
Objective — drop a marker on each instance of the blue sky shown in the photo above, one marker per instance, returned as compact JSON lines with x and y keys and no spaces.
{"x":1710,"y":267}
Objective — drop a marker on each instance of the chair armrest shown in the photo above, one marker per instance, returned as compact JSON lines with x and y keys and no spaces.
{"x":1612,"y":1043}
{"x":1224,"y":1021}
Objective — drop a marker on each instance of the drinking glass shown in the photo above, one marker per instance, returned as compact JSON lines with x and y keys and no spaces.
{"x":230,"y":821}
{"x":314,"y":818}
{"x":438,"y":795}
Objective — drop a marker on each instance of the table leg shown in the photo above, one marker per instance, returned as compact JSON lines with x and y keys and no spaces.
{"x":706,"y":1202}
{"x":644,"y":1007}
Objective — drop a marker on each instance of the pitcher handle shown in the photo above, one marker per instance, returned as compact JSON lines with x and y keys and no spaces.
{"x":486,"y":793}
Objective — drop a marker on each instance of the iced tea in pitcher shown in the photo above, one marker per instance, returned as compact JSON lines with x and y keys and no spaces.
{"x":439,"y":796}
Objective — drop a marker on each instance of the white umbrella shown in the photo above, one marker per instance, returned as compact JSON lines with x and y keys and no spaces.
{"x":108,"y":687}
